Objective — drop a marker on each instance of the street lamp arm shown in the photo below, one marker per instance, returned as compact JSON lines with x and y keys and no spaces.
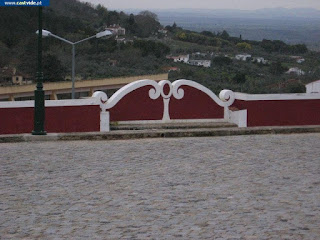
{"x":60,"y":38}
{"x":98,"y":35}
{"x":85,"y":39}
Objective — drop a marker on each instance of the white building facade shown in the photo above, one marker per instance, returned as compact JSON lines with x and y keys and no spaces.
{"x":313,"y":87}
{"x":242,"y":57}
{"x":202,"y":63}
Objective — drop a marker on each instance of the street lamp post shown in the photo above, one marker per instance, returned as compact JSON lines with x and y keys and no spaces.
{"x":46,"y":33}
{"x":39,"y":109}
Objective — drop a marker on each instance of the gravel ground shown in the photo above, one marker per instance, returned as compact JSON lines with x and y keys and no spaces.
{"x":239,"y":187}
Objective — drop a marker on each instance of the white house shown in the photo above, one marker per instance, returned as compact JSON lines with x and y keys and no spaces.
{"x":123,"y":40}
{"x":200,"y":54}
{"x":163,"y":31}
{"x":242,"y":57}
{"x":117,"y":30}
{"x":313,"y":87}
{"x":11,"y":75}
{"x":203,"y":63}
{"x":180,"y":58}
{"x":301,"y":60}
{"x":296,"y":70}
{"x":259,"y":60}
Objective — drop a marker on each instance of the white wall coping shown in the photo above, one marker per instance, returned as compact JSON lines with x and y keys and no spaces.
{"x":52,"y":103}
{"x":313,"y":83}
{"x":208,"y":120}
{"x":270,"y":97}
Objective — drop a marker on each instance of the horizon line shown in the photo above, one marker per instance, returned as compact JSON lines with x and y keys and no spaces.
{"x":208,"y":9}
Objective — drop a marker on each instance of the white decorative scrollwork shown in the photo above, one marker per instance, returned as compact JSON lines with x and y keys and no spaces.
{"x":166,"y":98}
{"x":102,"y":98}
{"x":178,"y":92}
{"x":154,"y":92}
{"x":227,"y":96}
{"x":164,"y":83}
{"x":166,"y":89}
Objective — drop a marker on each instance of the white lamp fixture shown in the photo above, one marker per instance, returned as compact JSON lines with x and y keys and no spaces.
{"x":46,"y":33}
{"x":103,"y":34}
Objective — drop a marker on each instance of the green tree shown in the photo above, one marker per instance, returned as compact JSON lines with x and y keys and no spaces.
{"x":208,"y":33}
{"x":5,"y":58}
{"x":174,"y":26}
{"x":151,"y":48}
{"x":53,"y":70}
{"x":240,"y":78}
{"x":221,"y":60}
{"x":296,"y":87}
{"x":147,"y":23}
{"x":277,"y":68}
{"x":225,"y":34}
{"x":298,"y":49}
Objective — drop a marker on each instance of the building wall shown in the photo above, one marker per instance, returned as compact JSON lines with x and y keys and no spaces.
{"x":164,"y":101}
{"x":58,"y":119}
{"x":313,"y":87}
{"x":75,"y":116}
{"x":279,"y":109}
{"x":81,"y":86}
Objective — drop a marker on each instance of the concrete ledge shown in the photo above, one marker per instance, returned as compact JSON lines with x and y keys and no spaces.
{"x":35,"y":138}
{"x":158,"y":133}
{"x":11,"y":138}
{"x":172,"y":125}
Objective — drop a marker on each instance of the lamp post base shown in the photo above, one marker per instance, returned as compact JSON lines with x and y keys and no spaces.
{"x":39,"y":113}
{"x":39,"y":133}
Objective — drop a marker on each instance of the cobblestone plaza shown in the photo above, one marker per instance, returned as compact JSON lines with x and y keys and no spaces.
{"x":237,"y":187}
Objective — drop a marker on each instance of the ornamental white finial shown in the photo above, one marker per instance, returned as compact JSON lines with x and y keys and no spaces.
{"x":102,"y":98}
{"x":227,"y":96}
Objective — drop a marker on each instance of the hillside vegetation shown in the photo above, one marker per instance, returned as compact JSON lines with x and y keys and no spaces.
{"x":145,"y":50}
{"x":74,"y":20}
{"x":247,"y":76}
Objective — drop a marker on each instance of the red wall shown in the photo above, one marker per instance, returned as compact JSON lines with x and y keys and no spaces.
{"x":58,"y":119}
{"x":194,"y":105}
{"x":137,"y":105}
{"x":281,"y":112}
{"x":16,"y":120}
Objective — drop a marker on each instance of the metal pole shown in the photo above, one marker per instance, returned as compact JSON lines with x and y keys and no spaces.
{"x":94,"y":36}
{"x":39,"y":108}
{"x":73,"y":70}
{"x":73,"y":57}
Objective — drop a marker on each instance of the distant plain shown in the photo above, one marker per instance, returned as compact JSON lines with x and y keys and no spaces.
{"x":289,"y":25}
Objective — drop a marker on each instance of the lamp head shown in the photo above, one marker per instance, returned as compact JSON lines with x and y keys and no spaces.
{"x":103,"y":34}
{"x":45,"y":33}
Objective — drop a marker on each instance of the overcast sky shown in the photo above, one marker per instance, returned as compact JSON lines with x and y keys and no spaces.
{"x":206,"y":4}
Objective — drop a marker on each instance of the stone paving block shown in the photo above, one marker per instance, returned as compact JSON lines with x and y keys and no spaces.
{"x":236,"y":187}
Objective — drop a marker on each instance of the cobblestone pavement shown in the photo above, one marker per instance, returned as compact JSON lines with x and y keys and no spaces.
{"x":239,"y":187}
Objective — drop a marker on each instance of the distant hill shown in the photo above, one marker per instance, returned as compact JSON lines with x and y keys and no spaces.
{"x":265,"y":13}
{"x":301,"y":25}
